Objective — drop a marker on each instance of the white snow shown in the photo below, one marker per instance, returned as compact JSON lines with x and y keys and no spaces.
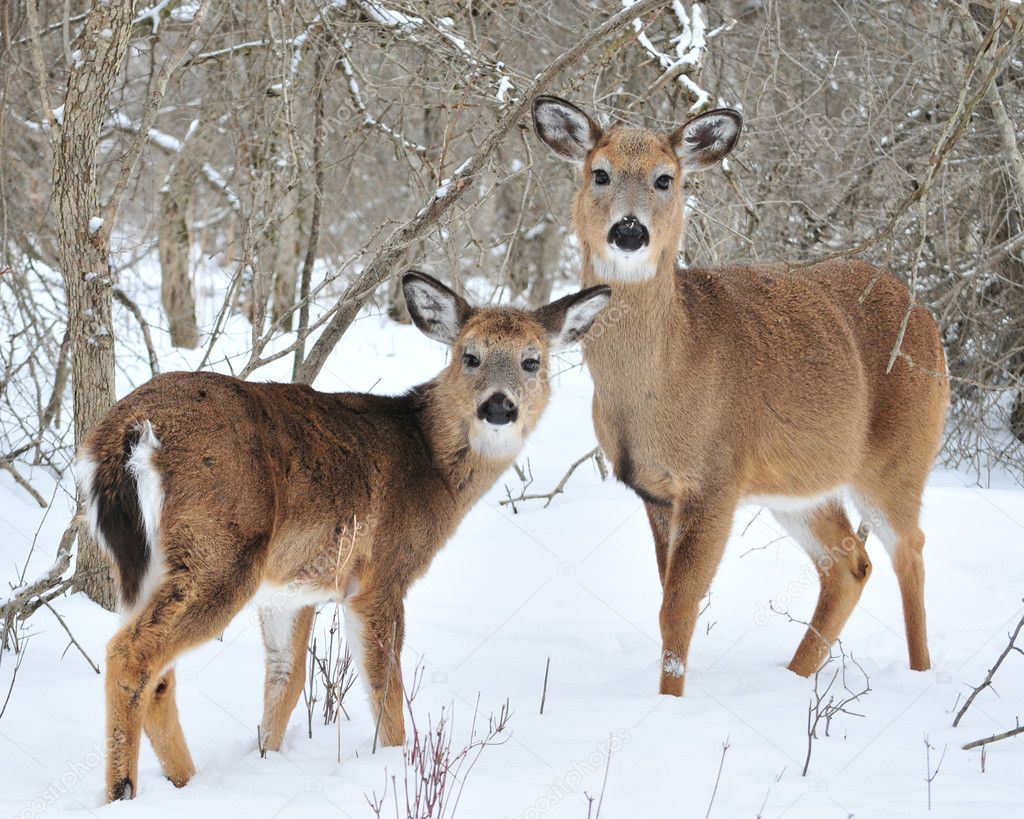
{"x":95,"y":223}
{"x":504,"y":86}
{"x":575,"y":582}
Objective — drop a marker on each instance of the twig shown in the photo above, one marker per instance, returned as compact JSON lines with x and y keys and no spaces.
{"x":74,"y":642}
{"x":558,"y":490}
{"x":14,"y":677}
{"x":721,"y":764}
{"x":987,"y":682}
{"x":994,"y":738}
{"x":604,"y":782}
{"x":929,"y":773}
{"x":824,"y":704}
{"x":544,"y":693}
{"x":133,"y":308}
{"x":24,"y":484}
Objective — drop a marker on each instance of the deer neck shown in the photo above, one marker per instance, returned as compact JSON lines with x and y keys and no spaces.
{"x":466,"y":473}
{"x":627,"y":353}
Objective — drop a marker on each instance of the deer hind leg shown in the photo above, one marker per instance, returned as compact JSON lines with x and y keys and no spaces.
{"x":698,"y":534}
{"x":659,"y":518}
{"x":375,"y":628}
{"x":285,"y":638}
{"x":179,"y":614}
{"x":892,"y":512}
{"x":163,"y":728}
{"x":824,"y":532}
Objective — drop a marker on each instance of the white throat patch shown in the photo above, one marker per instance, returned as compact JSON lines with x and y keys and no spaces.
{"x":621,"y":266}
{"x":499,"y":443}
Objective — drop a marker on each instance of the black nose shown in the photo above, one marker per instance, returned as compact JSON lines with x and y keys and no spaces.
{"x":498,"y":409}
{"x":629,"y":234}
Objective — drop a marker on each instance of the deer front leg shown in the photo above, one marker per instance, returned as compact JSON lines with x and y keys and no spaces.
{"x":700,"y":528}
{"x":375,"y":623}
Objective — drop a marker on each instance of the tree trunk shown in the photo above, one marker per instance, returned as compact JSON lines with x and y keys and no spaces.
{"x":175,"y":240}
{"x":286,"y":254}
{"x":84,"y":248}
{"x":176,"y":293}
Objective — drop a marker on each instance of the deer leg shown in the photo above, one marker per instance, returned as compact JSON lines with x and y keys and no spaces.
{"x":179,"y":614}
{"x":658,"y":517}
{"x":908,"y":562}
{"x":286,"y":639}
{"x":700,"y":530}
{"x":163,"y":728}
{"x":375,"y":623}
{"x":843,"y":568}
{"x":892,"y":512}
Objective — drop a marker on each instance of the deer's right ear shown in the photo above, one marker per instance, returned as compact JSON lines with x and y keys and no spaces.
{"x":438,"y":311}
{"x":564,"y":128}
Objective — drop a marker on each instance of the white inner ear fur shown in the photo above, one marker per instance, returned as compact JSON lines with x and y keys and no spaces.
{"x":566,"y":130}
{"x":706,"y":140}
{"x":578,"y":319}
{"x":437,"y":309}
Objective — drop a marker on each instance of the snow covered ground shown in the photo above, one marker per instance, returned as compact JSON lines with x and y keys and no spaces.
{"x":575,"y":582}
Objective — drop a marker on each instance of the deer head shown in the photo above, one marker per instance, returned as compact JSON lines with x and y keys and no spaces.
{"x":629,"y":210}
{"x":497,"y":379}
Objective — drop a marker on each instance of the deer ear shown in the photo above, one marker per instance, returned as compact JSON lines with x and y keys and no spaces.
{"x":567,"y":319}
{"x":564,"y":128}
{"x":438,"y":311}
{"x":706,"y":140}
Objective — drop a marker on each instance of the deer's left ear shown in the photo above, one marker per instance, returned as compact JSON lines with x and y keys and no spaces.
{"x":706,"y":140}
{"x":567,"y":319}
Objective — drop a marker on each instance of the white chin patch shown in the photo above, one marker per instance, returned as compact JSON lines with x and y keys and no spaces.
{"x":499,"y":443}
{"x":624,"y":266}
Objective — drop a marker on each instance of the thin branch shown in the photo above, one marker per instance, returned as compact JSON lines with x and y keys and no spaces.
{"x":239,"y":50}
{"x":987,"y":682}
{"x":133,"y":308}
{"x":718,"y":779}
{"x":995,"y":738}
{"x":74,"y":642}
{"x":24,"y":484}
{"x":559,"y":489}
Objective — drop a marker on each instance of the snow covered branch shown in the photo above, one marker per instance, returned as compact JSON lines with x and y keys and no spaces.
{"x":691,"y":45}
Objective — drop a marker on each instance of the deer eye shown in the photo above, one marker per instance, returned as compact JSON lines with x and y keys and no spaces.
{"x":470,"y":360}
{"x":601,"y":177}
{"x":663,"y":182}
{"x":531,"y":365}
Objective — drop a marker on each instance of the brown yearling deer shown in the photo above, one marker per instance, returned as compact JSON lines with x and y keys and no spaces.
{"x":765,"y":384}
{"x":210,"y":492}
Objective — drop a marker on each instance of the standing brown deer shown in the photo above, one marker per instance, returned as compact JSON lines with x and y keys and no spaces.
{"x":210,"y":492}
{"x":765,"y":384}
